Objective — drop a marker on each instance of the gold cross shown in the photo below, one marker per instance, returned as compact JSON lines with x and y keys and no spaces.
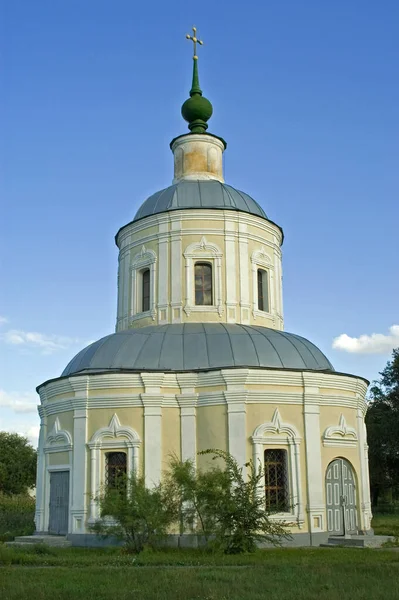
{"x":195,"y":40}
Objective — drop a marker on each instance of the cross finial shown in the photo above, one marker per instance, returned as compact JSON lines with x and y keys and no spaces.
{"x":195,"y":40}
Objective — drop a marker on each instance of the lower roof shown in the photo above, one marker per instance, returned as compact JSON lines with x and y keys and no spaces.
{"x":198,"y":346}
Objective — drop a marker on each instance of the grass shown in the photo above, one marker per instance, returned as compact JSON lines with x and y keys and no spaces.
{"x":331,"y":574}
{"x":46,"y":573}
{"x":386,"y":524}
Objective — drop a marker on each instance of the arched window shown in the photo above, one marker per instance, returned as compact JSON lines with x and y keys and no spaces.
{"x":276,"y":480}
{"x":263,"y":291}
{"x":115,"y":469}
{"x":203,"y":284}
{"x":145,"y":290}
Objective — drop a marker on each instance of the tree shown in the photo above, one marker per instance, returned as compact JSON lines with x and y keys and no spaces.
{"x":382,"y":420}
{"x":224,"y":503}
{"x":17,"y":464}
{"x":138,"y":515}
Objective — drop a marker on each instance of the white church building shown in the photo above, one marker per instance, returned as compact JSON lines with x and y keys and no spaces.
{"x":200,"y":359}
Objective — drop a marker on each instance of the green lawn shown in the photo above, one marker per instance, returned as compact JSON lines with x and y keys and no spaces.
{"x":329,"y":574}
{"x":386,"y":524}
{"x":44,"y":573}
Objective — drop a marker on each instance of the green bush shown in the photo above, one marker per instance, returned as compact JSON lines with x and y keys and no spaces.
{"x":16,"y":516}
{"x":223,"y":504}
{"x":138,"y":515}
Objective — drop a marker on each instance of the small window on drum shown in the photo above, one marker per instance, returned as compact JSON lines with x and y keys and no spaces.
{"x":145,"y":291}
{"x":115,"y":470}
{"x":276,"y":480}
{"x":263,"y":290}
{"x":203,"y":284}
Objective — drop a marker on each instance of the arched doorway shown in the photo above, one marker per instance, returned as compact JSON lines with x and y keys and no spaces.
{"x":341,"y":498}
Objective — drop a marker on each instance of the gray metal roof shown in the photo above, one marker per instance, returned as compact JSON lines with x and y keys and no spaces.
{"x":198,"y":346}
{"x":199,"y":194}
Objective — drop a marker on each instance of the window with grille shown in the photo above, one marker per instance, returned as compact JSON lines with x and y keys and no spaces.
{"x":115,"y":469}
{"x":263,"y":291}
{"x":145,"y":290}
{"x":203,"y":284}
{"x":276,"y":480}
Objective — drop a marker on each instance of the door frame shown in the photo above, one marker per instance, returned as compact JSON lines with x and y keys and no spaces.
{"x":52,"y":469}
{"x":343,"y":514}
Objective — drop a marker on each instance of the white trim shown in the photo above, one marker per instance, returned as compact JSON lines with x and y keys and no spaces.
{"x":208,"y":252}
{"x":340,"y":436}
{"x":261,"y":259}
{"x":144,"y":259}
{"x":115,"y":436}
{"x":285,"y":436}
{"x":58,"y":440}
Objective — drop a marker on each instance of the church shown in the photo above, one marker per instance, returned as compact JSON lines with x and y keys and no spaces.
{"x":200,"y":359}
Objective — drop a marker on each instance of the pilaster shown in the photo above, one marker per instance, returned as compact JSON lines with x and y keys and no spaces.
{"x":152,"y":402}
{"x":314,"y":475}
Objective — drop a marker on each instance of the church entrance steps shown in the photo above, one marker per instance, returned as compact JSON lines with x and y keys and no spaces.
{"x":357,"y":541}
{"x":59,"y":541}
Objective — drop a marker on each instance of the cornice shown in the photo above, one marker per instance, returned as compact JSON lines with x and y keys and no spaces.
{"x":157,"y":383}
{"x":192,"y":214}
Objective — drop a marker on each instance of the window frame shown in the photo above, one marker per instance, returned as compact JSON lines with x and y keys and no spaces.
{"x":261,"y":261}
{"x":203,"y":252}
{"x":145,"y":260}
{"x":279,"y":435}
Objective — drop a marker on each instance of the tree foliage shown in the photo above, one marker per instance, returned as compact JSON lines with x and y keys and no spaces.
{"x":138,"y":515}
{"x":17,"y":464}
{"x":225,"y":504}
{"x":382,"y":420}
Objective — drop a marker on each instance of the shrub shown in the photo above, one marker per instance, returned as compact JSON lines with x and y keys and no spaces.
{"x":223,"y":504}
{"x":138,"y":515}
{"x":16,"y":516}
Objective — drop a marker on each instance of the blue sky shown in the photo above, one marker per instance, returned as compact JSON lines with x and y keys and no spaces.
{"x":306,"y":95}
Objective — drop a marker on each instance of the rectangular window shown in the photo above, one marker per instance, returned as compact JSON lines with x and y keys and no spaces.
{"x":263,"y":290}
{"x":146,"y":290}
{"x":276,"y":480}
{"x":115,"y":470}
{"x":203,"y":284}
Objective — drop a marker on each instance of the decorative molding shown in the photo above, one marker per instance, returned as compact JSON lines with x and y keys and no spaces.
{"x":114,"y":430}
{"x":275,"y":427}
{"x":210,"y":252}
{"x":260,"y":258}
{"x":58,"y":440}
{"x":278,"y":433}
{"x":146,"y":258}
{"x":113,"y":437}
{"x":341,"y":435}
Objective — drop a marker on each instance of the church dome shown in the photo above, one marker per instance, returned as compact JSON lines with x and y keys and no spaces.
{"x":198,"y":346}
{"x":187,"y":194}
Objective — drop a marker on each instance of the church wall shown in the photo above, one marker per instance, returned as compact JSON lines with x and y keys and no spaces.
{"x":223,"y":399}
{"x":211,"y":432}
{"x":239,"y":236}
{"x":100,"y":417}
{"x":65,"y":420}
{"x":58,"y":458}
{"x":170,"y":435}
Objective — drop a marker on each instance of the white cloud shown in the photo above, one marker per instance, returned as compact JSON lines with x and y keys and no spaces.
{"x":48,"y":344}
{"x":19,"y":402}
{"x":3,"y":320}
{"x":376,"y":343}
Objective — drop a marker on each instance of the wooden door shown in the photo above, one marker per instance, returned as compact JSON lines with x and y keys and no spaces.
{"x":59,"y":502}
